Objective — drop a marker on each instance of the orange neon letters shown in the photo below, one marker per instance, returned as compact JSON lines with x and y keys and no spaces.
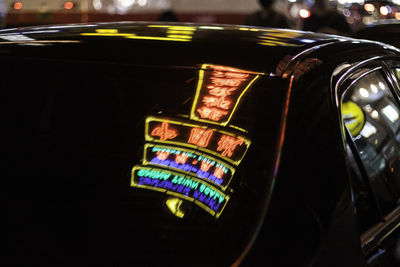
{"x":200,"y":137}
{"x":219,"y":172}
{"x":213,"y":114}
{"x":228,"y":144}
{"x":220,"y":102}
{"x":220,"y":91}
{"x":205,"y":166}
{"x":161,"y":155}
{"x":226,"y":82}
{"x":164,"y":132}
{"x":181,"y":159}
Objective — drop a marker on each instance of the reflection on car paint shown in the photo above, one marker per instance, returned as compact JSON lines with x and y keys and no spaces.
{"x":191,"y":161}
{"x":219,"y":91}
{"x":229,"y":145}
{"x":187,"y":157}
{"x":173,"y":33}
{"x":184,"y":186}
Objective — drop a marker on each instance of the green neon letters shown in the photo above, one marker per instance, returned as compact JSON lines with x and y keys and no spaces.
{"x":184,"y":186}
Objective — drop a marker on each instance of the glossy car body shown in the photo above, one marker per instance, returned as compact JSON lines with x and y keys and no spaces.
{"x":386,"y":32}
{"x":101,"y":119}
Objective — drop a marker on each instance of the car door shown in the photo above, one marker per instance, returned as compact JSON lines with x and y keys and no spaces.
{"x":370,"y":113}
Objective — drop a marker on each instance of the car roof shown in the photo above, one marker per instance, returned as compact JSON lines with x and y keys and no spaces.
{"x":385,"y":32}
{"x":165,"y":44}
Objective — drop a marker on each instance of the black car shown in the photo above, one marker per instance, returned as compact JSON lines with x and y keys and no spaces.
{"x":148,"y":144}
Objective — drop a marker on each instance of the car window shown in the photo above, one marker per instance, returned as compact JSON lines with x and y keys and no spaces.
{"x":371,"y":116}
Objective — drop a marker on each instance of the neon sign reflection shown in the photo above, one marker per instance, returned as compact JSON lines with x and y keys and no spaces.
{"x":189,"y":161}
{"x":196,"y":161}
{"x":228,"y":145}
{"x":187,"y":187}
{"x":219,"y":92}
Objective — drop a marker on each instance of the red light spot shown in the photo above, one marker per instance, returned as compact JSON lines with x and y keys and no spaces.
{"x":68,"y":5}
{"x":194,"y":162}
{"x":17,"y":5}
{"x":181,"y":159}
{"x":164,"y":132}
{"x":227,"y":145}
{"x":162,"y":155}
{"x":200,"y":137}
{"x":391,"y":169}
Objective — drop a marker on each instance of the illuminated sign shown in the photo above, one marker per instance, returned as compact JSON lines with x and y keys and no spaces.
{"x":180,"y":185}
{"x":191,"y":161}
{"x":231,"y":147}
{"x":218,"y":93}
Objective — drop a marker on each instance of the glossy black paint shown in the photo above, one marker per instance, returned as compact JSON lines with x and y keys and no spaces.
{"x":385,"y":33}
{"x":310,"y":219}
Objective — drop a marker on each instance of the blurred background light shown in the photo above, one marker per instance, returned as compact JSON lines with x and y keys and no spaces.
{"x":97,"y":4}
{"x":304,"y":13}
{"x":69,"y":5}
{"x":358,"y":13}
{"x":17,"y":5}
{"x":346,"y":13}
{"x":142,"y":2}
{"x":369,"y":7}
{"x":123,"y":6}
{"x":384,"y":10}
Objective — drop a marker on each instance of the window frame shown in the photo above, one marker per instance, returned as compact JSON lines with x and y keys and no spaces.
{"x":386,"y":223}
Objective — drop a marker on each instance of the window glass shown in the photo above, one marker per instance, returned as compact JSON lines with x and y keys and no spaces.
{"x":371,"y":116}
{"x":397,"y":72}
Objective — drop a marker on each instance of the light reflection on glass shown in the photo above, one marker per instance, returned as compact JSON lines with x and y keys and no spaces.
{"x":374,"y":89}
{"x":15,"y":37}
{"x":390,"y":113}
{"x":364,"y":92}
{"x":368,"y":130}
{"x":377,"y":144}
